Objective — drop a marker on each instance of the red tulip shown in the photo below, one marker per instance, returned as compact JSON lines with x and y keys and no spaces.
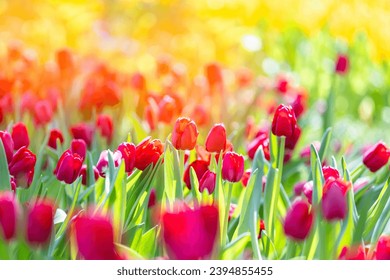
{"x":102,"y":164}
{"x":282,"y":85}
{"x":298,"y":188}
{"x":299,"y":105}
{"x":208,"y":182}
{"x":55,"y":135}
{"x":245,"y":178}
{"x":200,"y":115}
{"x":284,"y":121}
{"x":214,"y":76}
{"x":40,"y":222}
{"x":261,"y":228}
{"x":152,"y":198}
{"x":298,"y":221}
{"x":376,"y":157}
{"x":334,"y":203}
{"x":329,"y":172}
{"x":200,"y":167}
{"x":94,"y":235}
{"x":185,"y":134}
{"x":354,"y":253}
{"x":78,"y":146}
{"x":8,"y":144}
{"x":232,"y":167}
{"x":342,"y":64}
{"x":20,"y":136}
{"x":138,"y":82}
{"x":383,"y":248}
{"x":65,"y":61}
{"x":8,"y":215}
{"x":22,"y":166}
{"x":128,"y":155}
{"x":43,"y":112}
{"x":190,"y":234}
{"x":84,"y":132}
{"x":260,"y":140}
{"x":83,"y":174}
{"x":292,"y":141}
{"x":105,"y":125}
{"x":148,"y":152}
{"x":216,"y":139}
{"x":167,"y":109}
{"x":68,"y":167}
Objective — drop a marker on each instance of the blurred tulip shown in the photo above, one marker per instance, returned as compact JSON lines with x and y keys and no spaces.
{"x":8,"y":144}
{"x":207,"y":182}
{"x":200,"y":115}
{"x":185,"y":134}
{"x":383,"y":248}
{"x":8,"y":215}
{"x":284,"y":121}
{"x":342,"y":64}
{"x":298,"y":221}
{"x":43,"y":112}
{"x":22,"y":167}
{"x":299,"y":105}
{"x":94,"y":236}
{"x":213,"y":73}
{"x":20,"y":136}
{"x":353,"y":253}
{"x":376,"y":157}
{"x":282,"y":85}
{"x":308,"y":191}
{"x":152,"y":198}
{"x":55,"y":135}
{"x":68,"y":167}
{"x":40,"y":222}
{"x":84,"y":175}
{"x":138,"y":82}
{"x":105,"y":126}
{"x":200,"y":167}
{"x":334,"y":202}
{"x":148,"y":152}
{"x":292,"y":141}
{"x":329,"y":172}
{"x":190,"y":234}
{"x":216,"y":139}
{"x":128,"y":155}
{"x":78,"y":146}
{"x":298,"y":188}
{"x":260,"y":140}
{"x":83,"y":131}
{"x":103,"y":163}
{"x":64,"y":59}
{"x":245,"y":177}
{"x":232,"y":167}
{"x":167,"y":109}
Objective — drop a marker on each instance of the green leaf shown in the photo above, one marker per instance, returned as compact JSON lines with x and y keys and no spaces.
{"x":235,"y":249}
{"x":148,"y":243}
{"x":325,"y":141}
{"x":132,"y":254}
{"x":197,"y":196}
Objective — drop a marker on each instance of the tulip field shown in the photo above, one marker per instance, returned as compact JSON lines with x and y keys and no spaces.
{"x":128,"y":133}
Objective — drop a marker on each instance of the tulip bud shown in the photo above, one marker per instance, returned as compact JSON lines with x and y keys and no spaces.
{"x":8,"y":215}
{"x":84,"y":132}
{"x":185,"y":134}
{"x":245,"y":178}
{"x":94,"y":236}
{"x":167,"y":109}
{"x":207,"y":182}
{"x":40,"y":222}
{"x":105,"y":125}
{"x":342,"y":64}
{"x":298,"y":188}
{"x":102,"y":164}
{"x":20,"y":136}
{"x":291,"y":141}
{"x":232,"y":167}
{"x":383,"y":248}
{"x":78,"y":146}
{"x":298,"y":221}
{"x":190,"y":234}
{"x":284,"y":121}
{"x":22,"y":167}
{"x":68,"y":167}
{"x":329,"y":172}
{"x":84,"y":175}
{"x":214,"y":76}
{"x":353,"y":253}
{"x":261,"y":140}
{"x":128,"y":155}
{"x":200,"y":167}
{"x":43,"y":112}
{"x":334,"y":203}
{"x":299,"y":105}
{"x":376,"y":157}
{"x":55,"y":134}
{"x":200,"y":115}
{"x":8,"y":144}
{"x":148,"y":152}
{"x":216,"y":139}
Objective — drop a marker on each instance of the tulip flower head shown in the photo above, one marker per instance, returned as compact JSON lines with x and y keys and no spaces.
{"x":232,"y":167}
{"x":284,"y":122}
{"x":83,"y":131}
{"x":148,"y":152}
{"x":382,"y":251}
{"x":342,"y":64}
{"x":298,"y":221}
{"x":102,"y":164}
{"x":352,"y":253}
{"x":8,"y":215}
{"x":20,"y":136}
{"x":200,"y":167}
{"x":128,"y":155}
{"x":78,"y":146}
{"x":84,"y":175}
{"x":22,"y":167}
{"x":216,"y":139}
{"x":185,"y":134}
{"x":207,"y":182}
{"x":68,"y":167}
{"x":334,"y":202}
{"x":55,"y":135}
{"x":40,"y":222}
{"x":376,"y":157}
{"x":105,"y":126}
{"x":8,"y":144}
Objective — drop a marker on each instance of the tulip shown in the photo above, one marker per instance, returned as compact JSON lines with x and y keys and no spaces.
{"x":68,"y":167}
{"x":190,"y":234}
{"x":291,"y":141}
{"x":342,"y":64}
{"x":148,"y":152}
{"x":245,"y":177}
{"x":102,"y":164}
{"x":299,"y":105}
{"x":128,"y":155}
{"x":232,"y":167}
{"x":383,"y":248}
{"x":8,"y":144}
{"x":78,"y":146}
{"x":200,"y":115}
{"x":329,"y":172}
{"x":216,"y":139}
{"x":8,"y":215}
{"x":308,"y":191}
{"x":298,"y":188}
{"x":94,"y":235}
{"x":200,"y":167}
{"x":43,"y":112}
{"x":376,"y":157}
{"x":261,"y":228}
{"x":152,"y":198}
{"x":232,"y":208}
{"x":84,"y":175}
{"x":64,"y":59}
{"x":167,"y":109}
{"x":334,"y":203}
{"x":22,"y":167}
{"x":284,"y":121}
{"x":105,"y":125}
{"x":138,"y":82}
{"x":40,"y":222}
{"x":84,"y":132}
{"x":55,"y":135}
{"x":20,"y":136}
{"x":208,"y":182}
{"x":298,"y":221}
{"x":353,"y":253}
{"x":261,"y":140}
{"x":184,"y":134}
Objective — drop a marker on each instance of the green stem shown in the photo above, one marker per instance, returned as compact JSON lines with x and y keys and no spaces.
{"x":226,"y":217}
